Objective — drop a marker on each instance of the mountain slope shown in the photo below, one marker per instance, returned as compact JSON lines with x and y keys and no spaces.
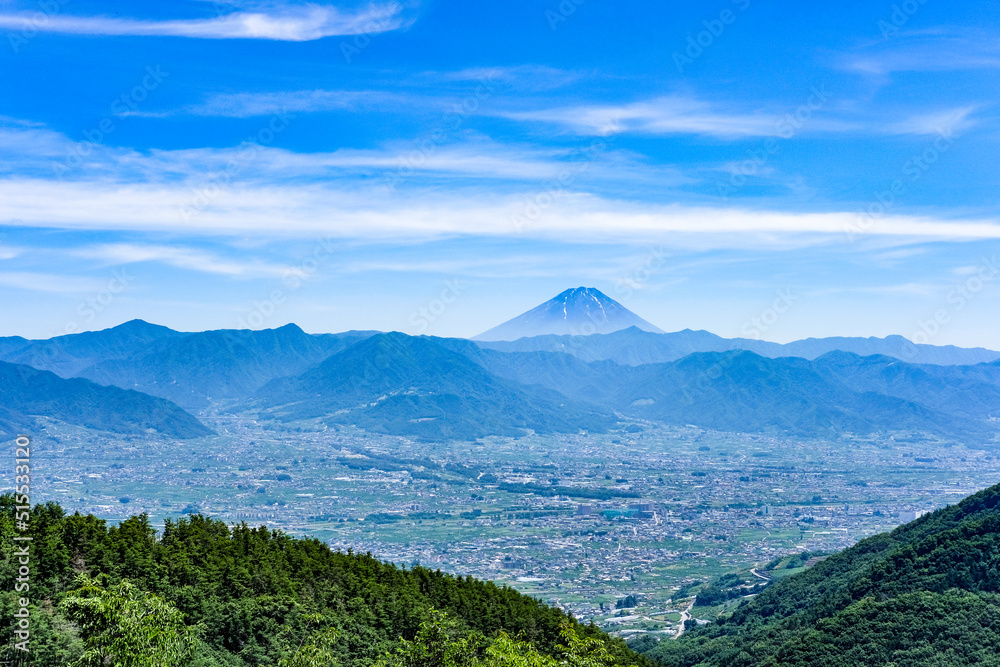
{"x":579,"y":311}
{"x":407,"y":385}
{"x":254,"y":595}
{"x":736,"y":391}
{"x":195,"y":369}
{"x":26,"y":392}
{"x":924,"y":594}
{"x":743,"y":391}
{"x":68,"y":355}
{"x":968,"y":392}
{"x":191,"y":369}
{"x":634,"y":347}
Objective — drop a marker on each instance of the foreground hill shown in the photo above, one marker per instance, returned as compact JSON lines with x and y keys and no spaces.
{"x":406,"y":385}
{"x":248,"y":596}
{"x":26,"y":393}
{"x":928,"y":593}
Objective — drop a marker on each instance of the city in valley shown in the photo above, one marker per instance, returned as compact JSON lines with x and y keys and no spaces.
{"x":620,"y":528}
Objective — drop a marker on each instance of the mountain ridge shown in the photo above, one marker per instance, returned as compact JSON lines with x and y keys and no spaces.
{"x":26,"y":392}
{"x":409,"y":385}
{"x":635,"y":347}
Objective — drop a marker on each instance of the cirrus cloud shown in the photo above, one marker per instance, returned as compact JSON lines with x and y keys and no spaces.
{"x":293,"y":24}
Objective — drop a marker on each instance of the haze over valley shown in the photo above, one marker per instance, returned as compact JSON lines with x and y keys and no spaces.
{"x":580,"y":468}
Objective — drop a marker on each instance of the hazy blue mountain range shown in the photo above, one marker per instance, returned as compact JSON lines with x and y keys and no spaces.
{"x":457,"y":388}
{"x":26,"y":392}
{"x":394,"y":383}
{"x":743,"y":391}
{"x":196,"y":369}
{"x":68,"y":355}
{"x":191,"y":369}
{"x":578,"y":311}
{"x":634,"y":346}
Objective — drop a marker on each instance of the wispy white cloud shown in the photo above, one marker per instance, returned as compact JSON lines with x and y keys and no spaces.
{"x":531,"y":77}
{"x":671,"y":115}
{"x":925,"y":51}
{"x":48,"y":282}
{"x":246,"y":105}
{"x":180,"y":257}
{"x":351,"y":211}
{"x":945,"y":122}
{"x":42,"y":152}
{"x":685,"y":115}
{"x":289,"y":23}
{"x":664,"y":115}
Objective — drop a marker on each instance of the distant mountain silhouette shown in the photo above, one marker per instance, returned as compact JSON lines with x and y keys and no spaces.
{"x":405,"y":385}
{"x":456,"y":388}
{"x":742,"y":391}
{"x":67,"y":355}
{"x":196,"y":369}
{"x":26,"y":393}
{"x":634,"y":347}
{"x":579,"y":311}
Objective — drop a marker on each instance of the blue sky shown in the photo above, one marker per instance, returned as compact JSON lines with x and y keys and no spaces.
{"x":439,"y":167}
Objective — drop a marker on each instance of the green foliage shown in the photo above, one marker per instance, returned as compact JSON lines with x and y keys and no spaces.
{"x":248,"y":596}
{"x":317,"y":652}
{"x":441,"y":643}
{"x":126,"y":627}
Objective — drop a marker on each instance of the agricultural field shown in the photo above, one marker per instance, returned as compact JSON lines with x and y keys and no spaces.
{"x":623,"y":529}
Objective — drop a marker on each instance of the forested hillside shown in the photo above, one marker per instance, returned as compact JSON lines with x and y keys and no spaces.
{"x":924,"y":594}
{"x":27,"y":393}
{"x":204,"y":594}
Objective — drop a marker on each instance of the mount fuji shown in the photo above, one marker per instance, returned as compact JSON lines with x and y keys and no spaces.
{"x":579,"y":311}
